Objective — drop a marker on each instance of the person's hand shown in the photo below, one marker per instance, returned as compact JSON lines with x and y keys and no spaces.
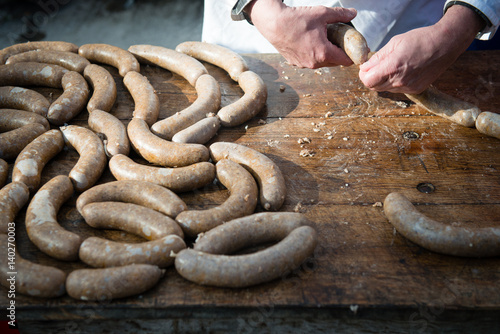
{"x":410,"y":62}
{"x":299,"y":33}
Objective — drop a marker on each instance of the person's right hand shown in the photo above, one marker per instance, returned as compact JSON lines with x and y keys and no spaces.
{"x":299,"y":33}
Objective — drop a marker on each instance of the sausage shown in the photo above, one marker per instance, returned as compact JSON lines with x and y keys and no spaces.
{"x":439,"y":237}
{"x":132,"y":218}
{"x":30,"y":46}
{"x":241,"y":202}
{"x":92,"y":161}
{"x":13,"y":197}
{"x":217,"y":55}
{"x":249,"y":231}
{"x":238,"y":271}
{"x":179,"y":63}
{"x":32,"y":74}
{"x":180,"y":179}
{"x":104,"y":88}
{"x":13,"y":142}
{"x":489,"y":124}
{"x":41,"y":220}
{"x":141,"y":193}
{"x":147,"y":104}
{"x":24,"y":99}
{"x":249,"y":105}
{"x":123,"y":60}
{"x":4,"y":172}
{"x":98,"y":252}
{"x":350,"y":40}
{"x":112,"y":283}
{"x":163,"y":152}
{"x":33,"y":158}
{"x":69,"y":60}
{"x":200,"y":132}
{"x":72,"y":101}
{"x":114,"y":131}
{"x":208,"y":102}
{"x":11,"y":119}
{"x":272,"y":188}
{"x":29,"y":278}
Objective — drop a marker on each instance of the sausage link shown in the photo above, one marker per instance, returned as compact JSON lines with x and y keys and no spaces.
{"x":4,"y":172}
{"x":92,"y":161}
{"x":112,"y":283}
{"x":163,"y":152}
{"x":24,"y":99}
{"x":31,"y":279}
{"x":489,"y":124}
{"x":249,"y":105}
{"x":147,"y":104}
{"x":179,"y":63}
{"x":239,"y":271}
{"x":41,"y":45}
{"x":217,"y":55}
{"x":32,"y":74}
{"x":13,"y":197}
{"x":241,"y":202}
{"x":272,"y":188}
{"x":178,"y":179}
{"x":350,"y":40}
{"x":132,"y":218}
{"x":104,"y":88}
{"x":115,"y":133}
{"x":13,"y":142}
{"x":72,"y":101}
{"x":41,"y":220}
{"x":33,"y":158}
{"x":198,"y":133}
{"x":98,"y":252}
{"x":11,"y":119}
{"x":439,"y":237}
{"x":208,"y":102}
{"x":141,"y":193}
{"x":123,"y":60}
{"x":69,"y":60}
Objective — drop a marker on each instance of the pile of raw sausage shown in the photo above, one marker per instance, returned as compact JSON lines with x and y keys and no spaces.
{"x":144,"y":200}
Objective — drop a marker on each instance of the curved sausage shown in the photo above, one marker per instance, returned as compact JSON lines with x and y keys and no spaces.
{"x":489,"y":124}
{"x":178,"y":179}
{"x":72,"y":101}
{"x":31,"y":279}
{"x":13,"y":197}
{"x":249,"y":231}
{"x":147,"y":104}
{"x":112,"y":283}
{"x":24,"y":99}
{"x":200,"y":132}
{"x":41,"y":45}
{"x":92,"y":161}
{"x":249,"y":105}
{"x":163,"y":152}
{"x":132,"y":218}
{"x":32,"y":74}
{"x":33,"y":158}
{"x":41,"y":220}
{"x":115,"y":133}
{"x":350,"y":40}
{"x":104,"y":88}
{"x":13,"y":142}
{"x":98,"y":252}
{"x":142,"y":193}
{"x":4,"y":172}
{"x":272,"y":188}
{"x":11,"y":119}
{"x":217,"y":55}
{"x":179,"y":63}
{"x":69,"y":60}
{"x":239,"y":271}
{"x":241,"y":202}
{"x":123,"y":60}
{"x":438,"y":237}
{"x":207,"y":102}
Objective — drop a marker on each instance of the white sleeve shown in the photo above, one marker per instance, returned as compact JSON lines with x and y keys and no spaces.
{"x":488,"y":10}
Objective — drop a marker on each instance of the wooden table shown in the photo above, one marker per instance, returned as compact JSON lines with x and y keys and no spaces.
{"x":364,"y":276}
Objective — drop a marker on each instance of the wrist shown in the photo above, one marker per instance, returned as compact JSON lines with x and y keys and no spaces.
{"x":261,"y":10}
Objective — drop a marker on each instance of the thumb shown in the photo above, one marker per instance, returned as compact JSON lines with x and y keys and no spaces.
{"x":340,"y":14}
{"x":372,"y":61}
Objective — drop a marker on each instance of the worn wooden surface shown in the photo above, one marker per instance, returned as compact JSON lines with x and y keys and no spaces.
{"x":363,"y":274}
